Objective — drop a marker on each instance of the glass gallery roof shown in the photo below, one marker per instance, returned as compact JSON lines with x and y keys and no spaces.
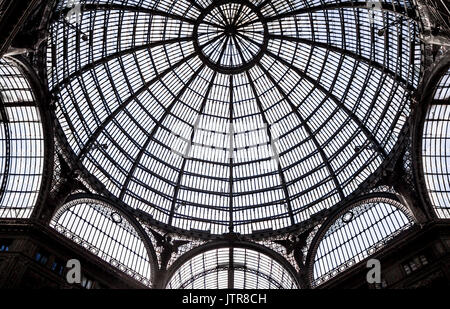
{"x":232,"y":116}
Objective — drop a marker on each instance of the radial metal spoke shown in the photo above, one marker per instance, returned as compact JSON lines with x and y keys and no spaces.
{"x":231,"y":155}
{"x":212,"y":40}
{"x":308,"y":130}
{"x":225,"y":19}
{"x":263,"y":4}
{"x":236,"y":17}
{"x":274,"y":149}
{"x":338,"y":103}
{"x":213,"y":24}
{"x":394,"y":75}
{"x":197,"y":6}
{"x":188,"y":150}
{"x":248,"y":39}
{"x":141,"y":79}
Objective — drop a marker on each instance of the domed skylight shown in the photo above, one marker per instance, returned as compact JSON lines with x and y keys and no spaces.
{"x":232,"y":116}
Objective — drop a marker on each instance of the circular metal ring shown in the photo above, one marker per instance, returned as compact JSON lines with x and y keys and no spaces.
{"x":231,"y":31}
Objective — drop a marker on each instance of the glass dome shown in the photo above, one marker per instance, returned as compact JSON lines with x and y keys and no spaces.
{"x":232,"y":116}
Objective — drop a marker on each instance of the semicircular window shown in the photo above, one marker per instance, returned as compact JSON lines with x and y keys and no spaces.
{"x":232,"y":116}
{"x":436,"y":148}
{"x":357,"y":233}
{"x":21,"y":143}
{"x":102,"y":230}
{"x":234,"y":268}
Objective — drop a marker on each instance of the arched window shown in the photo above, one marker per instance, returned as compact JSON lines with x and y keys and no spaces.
{"x":21,"y":143}
{"x":436,"y":148}
{"x":356,"y":233}
{"x":107,"y":233}
{"x":236,"y":268}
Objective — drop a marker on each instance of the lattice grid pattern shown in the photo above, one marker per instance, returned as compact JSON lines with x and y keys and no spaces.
{"x":21,"y":143}
{"x":356,"y":234}
{"x":436,"y":148}
{"x":99,"y":228}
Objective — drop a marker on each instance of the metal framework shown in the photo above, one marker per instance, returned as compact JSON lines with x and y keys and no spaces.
{"x":436,"y":147}
{"x":232,"y":266}
{"x":235,"y":119}
{"x":21,"y":143}
{"x":109,"y":233}
{"x":232,"y":116}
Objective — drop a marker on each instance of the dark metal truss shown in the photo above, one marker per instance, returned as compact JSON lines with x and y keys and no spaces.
{"x":244,"y":269}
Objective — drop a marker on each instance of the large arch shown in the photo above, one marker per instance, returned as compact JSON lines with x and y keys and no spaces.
{"x":108,"y":232}
{"x":236,"y":265}
{"x":432,"y":140}
{"x":354,"y":233}
{"x":26,"y":141}
{"x":315,"y":119}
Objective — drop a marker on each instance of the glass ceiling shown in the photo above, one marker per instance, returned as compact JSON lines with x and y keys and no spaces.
{"x":357,"y":233}
{"x":232,"y":116}
{"x":103,"y":231}
{"x":21,"y":143}
{"x":234,"y":268}
{"x":436,"y":148}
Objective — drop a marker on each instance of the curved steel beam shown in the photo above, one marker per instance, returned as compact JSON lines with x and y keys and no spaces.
{"x":188,"y":149}
{"x":197,"y":6}
{"x":153,"y":259}
{"x":309,"y":262}
{"x":274,"y":150}
{"x":424,"y":100}
{"x":231,"y":268}
{"x":231,"y":157}
{"x":232,"y":244}
{"x":7,"y":155}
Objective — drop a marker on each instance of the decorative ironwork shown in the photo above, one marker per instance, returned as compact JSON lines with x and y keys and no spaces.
{"x":435,"y":148}
{"x":107,"y":233}
{"x":355,"y":233}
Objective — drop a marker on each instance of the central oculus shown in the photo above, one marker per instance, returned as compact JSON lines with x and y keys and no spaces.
{"x":231,"y":36}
